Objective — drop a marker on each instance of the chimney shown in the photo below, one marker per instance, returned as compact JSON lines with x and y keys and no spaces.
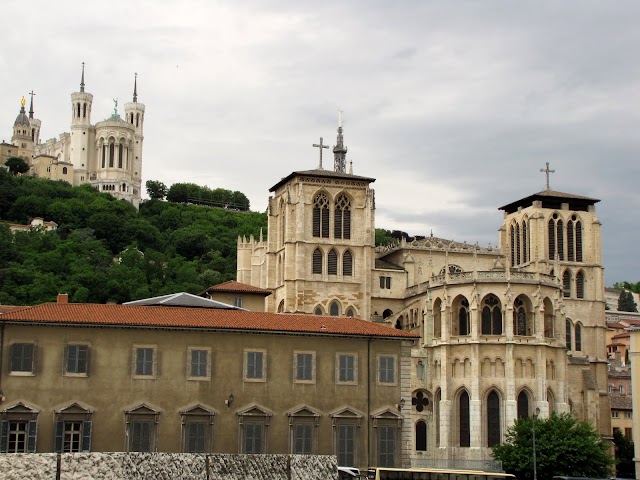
{"x":63,"y":298}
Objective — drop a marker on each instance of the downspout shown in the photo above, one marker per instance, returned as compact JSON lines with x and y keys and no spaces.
{"x":368,"y":402}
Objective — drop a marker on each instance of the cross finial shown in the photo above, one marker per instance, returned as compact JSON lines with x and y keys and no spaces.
{"x":115,"y":106}
{"x":82,"y":79}
{"x":135,"y":88}
{"x":320,"y":146}
{"x":547,"y":171}
{"x":31,"y":105}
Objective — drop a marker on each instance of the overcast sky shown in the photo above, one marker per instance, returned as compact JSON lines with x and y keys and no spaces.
{"x":453,"y":106}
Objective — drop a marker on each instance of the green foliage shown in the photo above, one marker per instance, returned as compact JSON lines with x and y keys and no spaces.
{"x":17,"y":165}
{"x":564,"y":447}
{"x":219,"y":197}
{"x":626,"y":303}
{"x":634,"y":287}
{"x":105,"y":250}
{"x":156,"y":189}
{"x":384,"y":237}
{"x":625,"y":466}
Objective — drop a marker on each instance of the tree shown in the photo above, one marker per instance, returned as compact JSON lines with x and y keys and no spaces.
{"x":564,"y":447}
{"x":625,"y":466}
{"x":634,"y":287}
{"x":626,"y":303}
{"x":156,"y":189}
{"x":17,"y":165}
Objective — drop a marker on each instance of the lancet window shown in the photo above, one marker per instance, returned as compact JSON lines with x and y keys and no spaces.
{"x":321,"y":216}
{"x":342,"y":218}
{"x":491,"y":316}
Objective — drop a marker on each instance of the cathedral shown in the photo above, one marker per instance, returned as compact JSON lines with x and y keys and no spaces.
{"x":107,"y":155}
{"x":506,"y":332}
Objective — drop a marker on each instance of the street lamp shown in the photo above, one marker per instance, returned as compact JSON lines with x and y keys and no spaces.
{"x":535,"y":470}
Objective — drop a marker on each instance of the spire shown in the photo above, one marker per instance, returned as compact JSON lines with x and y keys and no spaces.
{"x":31,"y":105}
{"x":82,"y":79}
{"x":135,"y":88}
{"x":340,"y":151}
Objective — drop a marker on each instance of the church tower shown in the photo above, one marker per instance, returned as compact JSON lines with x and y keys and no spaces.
{"x":82,"y":134}
{"x":134,"y":115}
{"x":22,"y":134}
{"x":320,"y":249}
{"x":35,"y":123}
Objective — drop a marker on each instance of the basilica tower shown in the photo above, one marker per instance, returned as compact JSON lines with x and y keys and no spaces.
{"x":22,"y":134}
{"x":82,"y":152}
{"x":134,"y":115}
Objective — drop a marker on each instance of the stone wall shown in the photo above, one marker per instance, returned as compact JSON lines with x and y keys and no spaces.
{"x":169,"y":466}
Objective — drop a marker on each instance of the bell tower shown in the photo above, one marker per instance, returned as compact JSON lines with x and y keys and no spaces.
{"x":22,"y":134}
{"x":134,"y":114}
{"x":82,"y":133}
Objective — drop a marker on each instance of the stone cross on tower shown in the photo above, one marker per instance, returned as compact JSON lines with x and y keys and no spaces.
{"x":547,"y":171}
{"x":320,"y":146}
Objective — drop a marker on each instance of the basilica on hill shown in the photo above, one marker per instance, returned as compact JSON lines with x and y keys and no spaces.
{"x":107,"y":155}
{"x":506,"y":332}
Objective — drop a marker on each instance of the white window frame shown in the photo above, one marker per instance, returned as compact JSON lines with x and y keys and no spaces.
{"x":394,"y":359}
{"x":245,"y":367}
{"x":355,"y":368}
{"x":297,"y":354}
{"x":134,"y":358}
{"x":238,"y":301}
{"x":190,"y":375}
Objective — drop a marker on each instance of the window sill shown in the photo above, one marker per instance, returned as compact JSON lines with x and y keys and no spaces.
{"x":199,"y":379}
{"x":22,"y":374}
{"x":75,"y":375}
{"x":255,"y":380}
{"x":144,"y":377}
{"x":304,"y":382}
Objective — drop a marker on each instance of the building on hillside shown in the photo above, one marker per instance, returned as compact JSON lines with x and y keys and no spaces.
{"x":156,"y":375}
{"x":618,"y":336}
{"x":504,"y":331}
{"x":37,"y":223}
{"x":620,"y":392}
{"x":238,"y":294}
{"x":107,"y":155}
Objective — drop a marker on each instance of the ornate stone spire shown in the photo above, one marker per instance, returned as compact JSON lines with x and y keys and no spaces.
{"x":135,"y":88}
{"x":82,"y":79}
{"x":340,"y":151}
{"x":31,"y":105}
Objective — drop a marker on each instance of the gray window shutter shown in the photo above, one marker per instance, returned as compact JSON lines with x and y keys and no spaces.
{"x":33,"y":432}
{"x":86,"y":436}
{"x":4,"y":432}
{"x":59,"y":434}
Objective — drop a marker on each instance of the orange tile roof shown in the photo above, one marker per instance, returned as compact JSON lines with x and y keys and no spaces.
{"x":10,"y":308}
{"x":237,"y":287}
{"x":199,"y":318}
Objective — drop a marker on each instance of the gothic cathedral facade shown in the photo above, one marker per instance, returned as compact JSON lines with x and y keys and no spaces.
{"x":107,"y":155}
{"x":506,"y":332}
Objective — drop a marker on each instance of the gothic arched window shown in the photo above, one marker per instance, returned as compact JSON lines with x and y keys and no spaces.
{"x":120,"y":148}
{"x":464,"y":426}
{"x":437,"y":319}
{"x":578,"y":241}
{"x":552,"y":238}
{"x":321,"y":216}
{"x":421,"y":436}
{"x":463,"y":318}
{"x":580,"y":284}
{"x":112,"y":154}
{"x":518,"y":247}
{"x":525,"y":242}
{"x":560,"y":240}
{"x":281,"y":306}
{"x":318,"y":310}
{"x":523,"y":405}
{"x":491,"y":316}
{"x":571,"y":251}
{"x":520,"y":321}
{"x":342,"y":218}
{"x":351,"y":312}
{"x":317,"y":261}
{"x":493,"y":419}
{"x":347,"y":264}
{"x":549,"y":318}
{"x":578,"y":340}
{"x":332,"y":262}
{"x":334,"y":309}
{"x":568,"y":334}
{"x":566,"y":283}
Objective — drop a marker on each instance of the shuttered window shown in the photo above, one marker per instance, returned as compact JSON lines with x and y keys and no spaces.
{"x":570,"y":243}
{"x":566,"y":284}
{"x":347,"y":264}
{"x":317,"y":261}
{"x":22,"y":357}
{"x":332,"y":262}
{"x":77,"y":359}
{"x":302,"y":439}
{"x":346,"y":444}
{"x":552,"y":239}
{"x":578,"y":242}
{"x":580,"y":284}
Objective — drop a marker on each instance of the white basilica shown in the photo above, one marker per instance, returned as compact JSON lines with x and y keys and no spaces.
{"x":506,"y":332}
{"x":106,"y":155}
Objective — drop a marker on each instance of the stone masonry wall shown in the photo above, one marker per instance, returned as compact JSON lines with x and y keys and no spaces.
{"x":169,"y":466}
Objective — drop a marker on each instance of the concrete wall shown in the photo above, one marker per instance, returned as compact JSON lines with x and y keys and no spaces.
{"x":160,"y":466}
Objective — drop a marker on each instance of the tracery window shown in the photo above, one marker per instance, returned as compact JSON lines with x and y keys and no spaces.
{"x":463,"y":318}
{"x":342,"y":218}
{"x":578,"y":340}
{"x":491,"y":316}
{"x":493,"y":419}
{"x":321,"y":216}
{"x":520,"y":321}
